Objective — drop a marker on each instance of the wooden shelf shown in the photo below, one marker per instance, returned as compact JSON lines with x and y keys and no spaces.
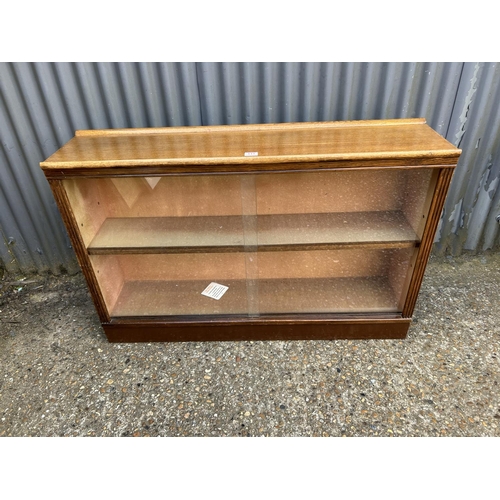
{"x":383,"y":229}
{"x":329,"y":295}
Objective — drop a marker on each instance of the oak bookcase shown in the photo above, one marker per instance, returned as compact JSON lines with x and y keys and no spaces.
{"x":318,"y":230}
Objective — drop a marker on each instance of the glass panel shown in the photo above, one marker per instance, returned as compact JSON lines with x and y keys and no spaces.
{"x":171,"y":284}
{"x":133,"y":212}
{"x":284,"y":243}
{"x":324,"y":281}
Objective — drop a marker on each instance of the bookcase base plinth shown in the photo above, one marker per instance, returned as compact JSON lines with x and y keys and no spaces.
{"x":256,"y":330}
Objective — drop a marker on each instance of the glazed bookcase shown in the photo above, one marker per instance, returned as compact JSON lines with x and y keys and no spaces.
{"x":318,"y":230}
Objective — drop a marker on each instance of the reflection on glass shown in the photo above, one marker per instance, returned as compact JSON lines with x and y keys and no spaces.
{"x":284,"y":243}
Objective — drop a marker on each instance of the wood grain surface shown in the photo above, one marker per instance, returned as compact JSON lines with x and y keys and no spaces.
{"x":273,"y":143}
{"x":310,"y":327}
{"x":273,"y":233}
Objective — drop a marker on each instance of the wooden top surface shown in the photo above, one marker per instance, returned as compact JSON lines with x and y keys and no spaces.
{"x":273,"y":143}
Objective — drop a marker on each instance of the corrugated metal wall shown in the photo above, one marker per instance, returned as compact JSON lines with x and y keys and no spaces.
{"x":42,"y":104}
{"x":469,"y":217}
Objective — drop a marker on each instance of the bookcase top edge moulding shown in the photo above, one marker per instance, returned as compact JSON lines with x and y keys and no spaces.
{"x":293,"y":231}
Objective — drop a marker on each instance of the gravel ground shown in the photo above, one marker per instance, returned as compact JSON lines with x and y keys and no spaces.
{"x":60,"y":377}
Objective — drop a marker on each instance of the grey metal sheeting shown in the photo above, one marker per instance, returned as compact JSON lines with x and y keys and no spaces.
{"x":42,"y":104}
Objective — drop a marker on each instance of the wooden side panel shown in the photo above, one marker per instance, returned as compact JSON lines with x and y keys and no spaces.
{"x":400,"y":271}
{"x":418,"y":192}
{"x":436,"y":208}
{"x":109,"y":274}
{"x":79,"y":247}
{"x":89,"y":208}
{"x":417,"y":211}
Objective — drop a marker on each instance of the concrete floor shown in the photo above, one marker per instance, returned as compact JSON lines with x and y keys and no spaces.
{"x":60,"y":377}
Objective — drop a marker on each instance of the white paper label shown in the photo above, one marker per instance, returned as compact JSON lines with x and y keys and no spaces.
{"x":215,"y":291}
{"x":251,"y":153}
